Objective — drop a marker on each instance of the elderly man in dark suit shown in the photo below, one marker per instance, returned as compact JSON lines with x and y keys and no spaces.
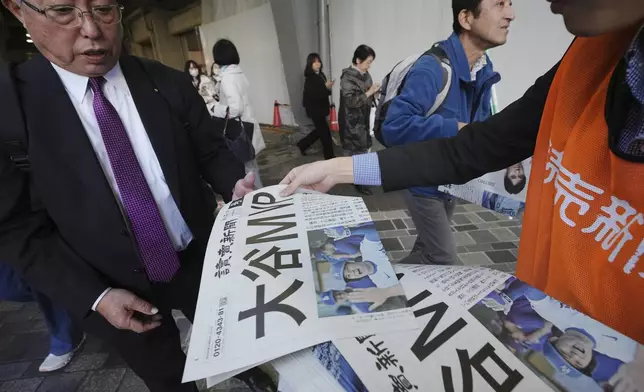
{"x":112,"y":219}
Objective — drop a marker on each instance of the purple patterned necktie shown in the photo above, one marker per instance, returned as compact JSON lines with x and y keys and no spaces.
{"x":155,"y":246}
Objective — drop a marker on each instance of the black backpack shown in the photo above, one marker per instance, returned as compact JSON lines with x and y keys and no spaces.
{"x":394,"y":82}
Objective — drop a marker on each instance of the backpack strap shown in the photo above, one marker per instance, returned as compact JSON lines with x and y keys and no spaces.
{"x":440,"y":54}
{"x":13,"y":127}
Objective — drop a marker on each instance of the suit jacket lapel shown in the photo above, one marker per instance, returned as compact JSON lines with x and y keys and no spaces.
{"x":158,"y":121}
{"x":53,"y":120}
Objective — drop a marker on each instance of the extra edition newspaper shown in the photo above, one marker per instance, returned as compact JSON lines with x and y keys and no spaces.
{"x":481,"y":330}
{"x":504,"y":191}
{"x":282,"y":274}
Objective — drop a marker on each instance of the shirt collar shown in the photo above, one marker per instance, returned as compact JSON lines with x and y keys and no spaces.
{"x":478,"y":65}
{"x":76,"y":85}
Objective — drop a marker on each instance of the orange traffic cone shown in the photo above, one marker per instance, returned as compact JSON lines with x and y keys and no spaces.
{"x":277,"y":118}
{"x":334,"y":119}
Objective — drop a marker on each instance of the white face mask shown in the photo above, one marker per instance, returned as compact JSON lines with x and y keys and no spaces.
{"x":194,"y":72}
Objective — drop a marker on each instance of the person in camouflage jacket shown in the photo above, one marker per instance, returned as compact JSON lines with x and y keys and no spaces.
{"x":357,"y":92}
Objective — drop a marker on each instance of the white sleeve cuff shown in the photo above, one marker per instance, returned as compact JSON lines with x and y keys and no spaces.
{"x":100,"y":297}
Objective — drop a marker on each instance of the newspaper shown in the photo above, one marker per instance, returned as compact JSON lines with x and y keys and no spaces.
{"x":311,"y":371}
{"x":482,"y":330}
{"x":282,"y":274}
{"x":504,"y":191}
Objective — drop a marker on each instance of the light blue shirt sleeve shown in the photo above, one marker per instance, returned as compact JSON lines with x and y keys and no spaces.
{"x":366,"y":169}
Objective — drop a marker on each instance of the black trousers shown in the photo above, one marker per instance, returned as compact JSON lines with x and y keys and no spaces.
{"x":321,"y":132}
{"x":156,"y":356}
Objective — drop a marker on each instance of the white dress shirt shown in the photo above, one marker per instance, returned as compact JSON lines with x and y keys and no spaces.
{"x":118,"y":94}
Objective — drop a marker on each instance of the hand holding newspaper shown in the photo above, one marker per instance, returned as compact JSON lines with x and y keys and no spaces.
{"x":282,"y":274}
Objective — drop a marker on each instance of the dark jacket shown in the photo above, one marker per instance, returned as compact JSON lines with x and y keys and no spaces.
{"x":316,"y":95}
{"x":355,"y":108}
{"x":467,"y":101}
{"x":72,"y":241}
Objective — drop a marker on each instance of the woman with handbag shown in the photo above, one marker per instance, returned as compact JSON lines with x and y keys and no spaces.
{"x":316,"y":102}
{"x":234,"y":103}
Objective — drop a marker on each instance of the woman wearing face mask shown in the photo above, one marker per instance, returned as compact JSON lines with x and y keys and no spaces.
{"x":316,"y":102}
{"x":357,"y":92}
{"x":234,"y":99}
{"x":201,"y":81}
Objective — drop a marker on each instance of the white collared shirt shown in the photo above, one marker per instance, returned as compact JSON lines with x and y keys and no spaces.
{"x":118,"y":94}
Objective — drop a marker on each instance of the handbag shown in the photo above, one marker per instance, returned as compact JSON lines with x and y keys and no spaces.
{"x":239,"y":137}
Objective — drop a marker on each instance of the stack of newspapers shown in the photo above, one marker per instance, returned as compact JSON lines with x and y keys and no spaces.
{"x":302,"y":284}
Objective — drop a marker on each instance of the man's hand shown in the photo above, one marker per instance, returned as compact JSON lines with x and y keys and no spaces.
{"x":125,"y":310}
{"x":319,"y":176}
{"x":375,"y":296}
{"x":630,"y":376}
{"x":462,"y":125}
{"x":244,"y":186}
{"x":329,"y":84}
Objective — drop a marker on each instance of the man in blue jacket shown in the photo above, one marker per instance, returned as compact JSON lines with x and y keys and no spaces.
{"x":479,"y":25}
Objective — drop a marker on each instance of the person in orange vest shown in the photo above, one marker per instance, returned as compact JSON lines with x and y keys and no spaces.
{"x":583,"y":123}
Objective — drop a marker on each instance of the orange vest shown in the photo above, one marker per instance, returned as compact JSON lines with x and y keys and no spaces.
{"x":583,"y":231}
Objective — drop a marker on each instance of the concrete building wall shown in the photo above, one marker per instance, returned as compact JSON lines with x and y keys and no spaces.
{"x":167,"y":46}
{"x":186,"y":20}
{"x":214,"y":10}
{"x":297,"y":33}
{"x":156,"y":33}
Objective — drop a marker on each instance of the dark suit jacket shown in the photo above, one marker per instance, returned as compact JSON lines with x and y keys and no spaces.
{"x":69,"y":238}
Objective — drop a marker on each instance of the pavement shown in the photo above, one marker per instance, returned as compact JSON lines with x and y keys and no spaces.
{"x":483,"y":238}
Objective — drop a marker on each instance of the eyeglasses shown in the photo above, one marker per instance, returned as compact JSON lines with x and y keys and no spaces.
{"x":68,"y":15}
